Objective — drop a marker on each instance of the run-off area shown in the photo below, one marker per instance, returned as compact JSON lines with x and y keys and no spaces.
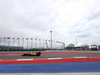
{"x":51,"y":68}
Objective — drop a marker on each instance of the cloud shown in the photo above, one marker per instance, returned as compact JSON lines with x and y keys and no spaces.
{"x":68,"y":19}
{"x":83,"y":35}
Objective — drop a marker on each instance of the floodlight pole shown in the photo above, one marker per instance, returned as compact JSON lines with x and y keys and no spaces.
{"x":64,"y":45}
{"x":51,"y":38}
{"x":76,"y":41}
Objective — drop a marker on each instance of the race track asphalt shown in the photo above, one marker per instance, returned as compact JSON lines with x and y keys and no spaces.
{"x":47,"y":56}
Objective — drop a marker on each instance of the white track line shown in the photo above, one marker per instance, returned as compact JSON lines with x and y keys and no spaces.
{"x":23,"y":59}
{"x":80,"y":57}
{"x":46,"y":59}
{"x":53,"y":58}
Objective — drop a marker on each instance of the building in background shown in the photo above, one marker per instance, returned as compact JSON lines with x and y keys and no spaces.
{"x":94,"y":47}
{"x":83,"y":46}
{"x":80,"y":46}
{"x":99,"y":47}
{"x":70,"y":47}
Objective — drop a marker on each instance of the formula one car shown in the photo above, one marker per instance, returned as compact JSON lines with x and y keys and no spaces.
{"x":32,"y":54}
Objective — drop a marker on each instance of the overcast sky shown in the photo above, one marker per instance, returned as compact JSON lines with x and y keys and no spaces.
{"x":67,"y":19}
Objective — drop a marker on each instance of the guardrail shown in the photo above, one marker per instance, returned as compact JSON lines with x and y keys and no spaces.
{"x":20,"y":50}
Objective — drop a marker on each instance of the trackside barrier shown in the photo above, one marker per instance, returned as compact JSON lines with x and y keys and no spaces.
{"x":20,"y":50}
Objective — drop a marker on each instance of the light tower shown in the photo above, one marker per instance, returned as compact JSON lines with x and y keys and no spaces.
{"x":51,"y":38}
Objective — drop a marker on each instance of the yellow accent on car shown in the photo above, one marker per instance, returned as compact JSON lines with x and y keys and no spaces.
{"x":33,"y":53}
